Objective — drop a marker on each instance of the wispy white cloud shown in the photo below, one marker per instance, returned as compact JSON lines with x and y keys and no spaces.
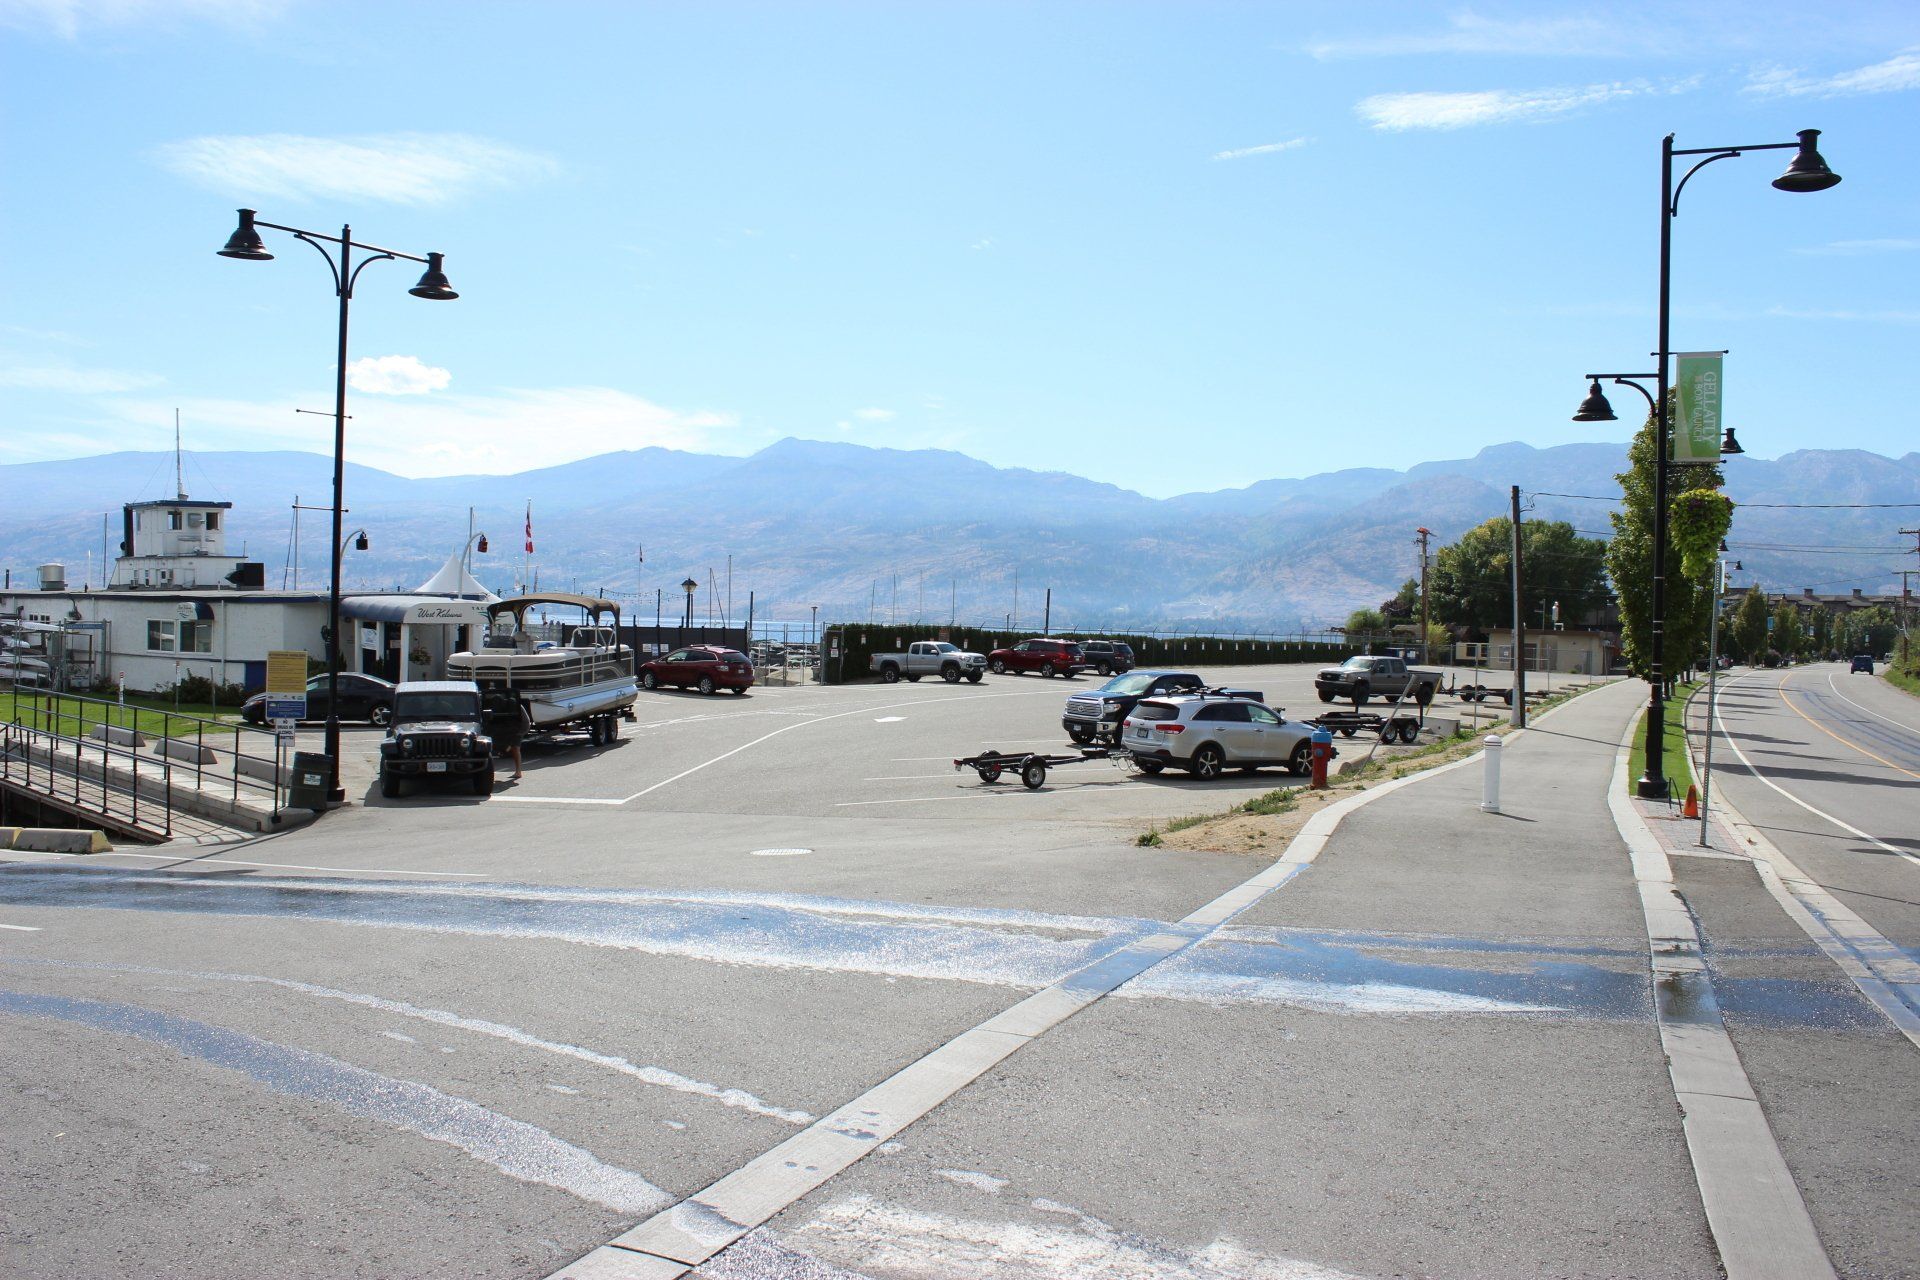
{"x":60,"y":376}
{"x":396,"y":376}
{"x":1869,"y":316}
{"x":1471,"y":33}
{"x":984,"y":242}
{"x":399,"y":168}
{"x":1856,"y":247}
{"x":496,"y":434}
{"x":69,"y":18}
{"x":875,"y":415}
{"x":1898,"y":73}
{"x":1401,"y":111}
{"x":1264,"y":149}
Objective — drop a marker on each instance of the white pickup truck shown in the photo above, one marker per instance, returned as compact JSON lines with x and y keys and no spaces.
{"x":929,"y":658}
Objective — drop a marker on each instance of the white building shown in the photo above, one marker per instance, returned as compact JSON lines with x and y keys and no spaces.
{"x":178,"y":605}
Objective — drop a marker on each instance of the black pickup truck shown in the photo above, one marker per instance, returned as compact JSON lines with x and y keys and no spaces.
{"x":1097,"y":715}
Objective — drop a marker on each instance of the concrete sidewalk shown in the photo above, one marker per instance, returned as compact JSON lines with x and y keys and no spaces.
{"x":1549,"y":865}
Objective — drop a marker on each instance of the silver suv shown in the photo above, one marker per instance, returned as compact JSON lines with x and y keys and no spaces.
{"x":1207,"y":734}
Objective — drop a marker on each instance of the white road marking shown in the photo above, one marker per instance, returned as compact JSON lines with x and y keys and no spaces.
{"x":22,"y":928}
{"x":685,"y":773}
{"x":1818,"y":813}
{"x":910,"y":777}
{"x":888,"y":719}
{"x":1898,"y":724}
{"x":780,"y":853}
{"x":498,"y":799}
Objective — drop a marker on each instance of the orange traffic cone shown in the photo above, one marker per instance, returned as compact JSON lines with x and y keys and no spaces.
{"x":1691,"y":809}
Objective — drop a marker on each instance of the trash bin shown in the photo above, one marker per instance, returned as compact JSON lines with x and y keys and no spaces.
{"x":312,"y":774}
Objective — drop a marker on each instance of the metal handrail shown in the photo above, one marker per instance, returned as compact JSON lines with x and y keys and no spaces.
{"x":58,"y":713}
{"x":26,"y":739}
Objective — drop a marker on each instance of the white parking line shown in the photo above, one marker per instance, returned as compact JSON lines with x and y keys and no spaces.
{"x":278,"y":866}
{"x":22,"y":928}
{"x":910,"y":777}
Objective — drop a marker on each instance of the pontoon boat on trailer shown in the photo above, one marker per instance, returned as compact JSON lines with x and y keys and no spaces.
{"x":585,"y":681}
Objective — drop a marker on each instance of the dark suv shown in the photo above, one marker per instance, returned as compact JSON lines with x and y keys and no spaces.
{"x":1098,"y":715}
{"x":1108,"y":657}
{"x":436,"y":732}
{"x":1048,"y":657}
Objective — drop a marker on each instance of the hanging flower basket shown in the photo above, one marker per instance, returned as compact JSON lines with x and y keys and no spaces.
{"x":1700,"y":519}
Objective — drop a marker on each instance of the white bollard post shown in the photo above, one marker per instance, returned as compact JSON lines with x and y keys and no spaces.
{"x":1490,"y":787}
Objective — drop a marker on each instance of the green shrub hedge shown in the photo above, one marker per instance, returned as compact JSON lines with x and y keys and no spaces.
{"x":860,"y":641}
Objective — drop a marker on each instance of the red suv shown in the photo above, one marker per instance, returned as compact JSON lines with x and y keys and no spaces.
{"x":1048,"y":657}
{"x":706,"y":667}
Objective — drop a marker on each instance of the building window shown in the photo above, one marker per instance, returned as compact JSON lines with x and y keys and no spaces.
{"x":173,"y":519}
{"x":213,"y":520}
{"x":196,"y":637}
{"x":160,"y":636}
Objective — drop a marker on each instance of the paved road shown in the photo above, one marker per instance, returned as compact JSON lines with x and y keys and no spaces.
{"x":1802,"y":751}
{"x":454,"y":1037}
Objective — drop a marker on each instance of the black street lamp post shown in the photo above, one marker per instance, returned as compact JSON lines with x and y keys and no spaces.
{"x":245,"y":243}
{"x":1807,"y":172}
{"x":689,"y":586}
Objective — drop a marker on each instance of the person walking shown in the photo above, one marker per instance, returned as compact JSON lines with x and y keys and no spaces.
{"x":506,"y":725}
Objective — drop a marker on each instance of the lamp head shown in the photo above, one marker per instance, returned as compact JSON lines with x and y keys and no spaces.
{"x":689,"y":586}
{"x":1738,"y":567}
{"x":433,"y":281}
{"x":1595,"y":407}
{"x":1728,"y":445}
{"x":481,"y":546}
{"x":245,"y":242}
{"x":360,"y":543}
{"x":1808,"y":172}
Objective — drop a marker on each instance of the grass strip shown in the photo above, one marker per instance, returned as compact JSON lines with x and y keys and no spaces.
{"x":1673,"y":737}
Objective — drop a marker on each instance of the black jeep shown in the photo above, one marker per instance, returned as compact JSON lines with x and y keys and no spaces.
{"x":436,"y":732}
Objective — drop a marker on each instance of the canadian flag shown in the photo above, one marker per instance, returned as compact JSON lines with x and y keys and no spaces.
{"x":529,"y":528}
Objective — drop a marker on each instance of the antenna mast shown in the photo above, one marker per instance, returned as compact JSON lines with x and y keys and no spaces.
{"x":179,"y":473}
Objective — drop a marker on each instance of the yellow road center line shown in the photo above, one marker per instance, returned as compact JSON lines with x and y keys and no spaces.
{"x":1837,"y":738}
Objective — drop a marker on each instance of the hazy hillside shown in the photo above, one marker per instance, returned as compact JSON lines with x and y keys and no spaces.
{"x":839,"y":525}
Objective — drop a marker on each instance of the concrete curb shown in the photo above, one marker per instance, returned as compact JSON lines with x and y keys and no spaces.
{"x":1759,"y":1221}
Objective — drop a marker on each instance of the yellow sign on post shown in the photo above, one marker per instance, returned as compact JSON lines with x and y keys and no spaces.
{"x":286,"y":687}
{"x":287,"y":671}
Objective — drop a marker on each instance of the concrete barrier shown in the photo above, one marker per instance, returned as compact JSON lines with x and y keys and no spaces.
{"x":257,"y":769}
{"x":118,"y":736}
{"x":58,"y":840}
{"x":178,"y":749}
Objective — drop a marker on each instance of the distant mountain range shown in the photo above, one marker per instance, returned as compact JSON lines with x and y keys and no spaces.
{"x":809,"y":522}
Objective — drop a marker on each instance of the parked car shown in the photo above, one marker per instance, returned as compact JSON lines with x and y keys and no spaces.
{"x":1207,"y":734}
{"x":1862,"y":662}
{"x":436,"y":731}
{"x":1048,"y":657}
{"x":1108,"y":657}
{"x":1376,"y":675}
{"x":929,"y":658}
{"x":706,"y":667}
{"x":362,"y":697}
{"x":1096,"y":716}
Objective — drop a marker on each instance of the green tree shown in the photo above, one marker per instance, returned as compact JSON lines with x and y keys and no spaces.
{"x":1820,"y":636}
{"x":1630,"y":562}
{"x":1749,"y":626}
{"x":1366,"y":622}
{"x":1405,"y":605}
{"x":1472,"y":580}
{"x":1789,"y":638}
{"x":1871,"y":630}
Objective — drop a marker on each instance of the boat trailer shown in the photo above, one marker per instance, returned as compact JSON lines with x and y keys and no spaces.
{"x":1032,"y":766}
{"x":1398,"y":727}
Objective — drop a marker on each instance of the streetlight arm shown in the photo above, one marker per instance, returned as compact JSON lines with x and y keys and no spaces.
{"x":353,"y":244}
{"x":1627,"y":380}
{"x":1673,"y":202}
{"x":1701,"y":151}
{"x":319,"y":249}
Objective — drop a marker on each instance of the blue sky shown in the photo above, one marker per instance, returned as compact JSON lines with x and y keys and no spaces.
{"x":1172,"y":246}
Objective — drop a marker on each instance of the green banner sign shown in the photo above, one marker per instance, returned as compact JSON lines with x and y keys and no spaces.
{"x":1696,"y":426}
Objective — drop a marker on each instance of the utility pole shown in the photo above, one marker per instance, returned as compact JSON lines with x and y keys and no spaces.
{"x":1426,"y":656}
{"x":1519,"y":625}
{"x":1046,"y":621}
{"x":1906,"y":582}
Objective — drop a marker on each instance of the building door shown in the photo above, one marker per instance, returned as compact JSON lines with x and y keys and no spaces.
{"x":253,"y":676}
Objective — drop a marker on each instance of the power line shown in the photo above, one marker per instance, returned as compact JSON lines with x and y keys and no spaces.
{"x":1779,"y":506}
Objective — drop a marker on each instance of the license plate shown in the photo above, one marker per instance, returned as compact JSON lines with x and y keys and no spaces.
{"x":1139,"y":733}
{"x":436,"y":766}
